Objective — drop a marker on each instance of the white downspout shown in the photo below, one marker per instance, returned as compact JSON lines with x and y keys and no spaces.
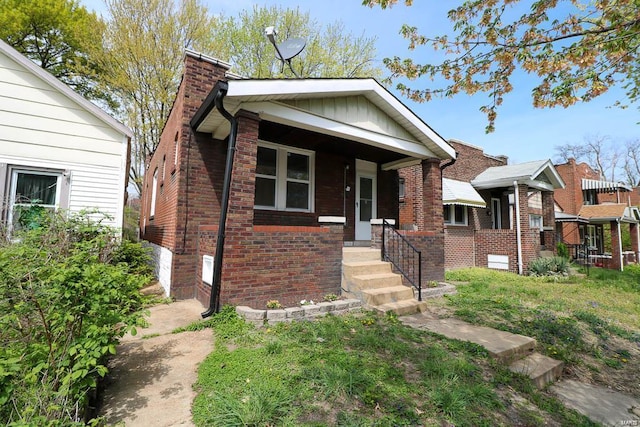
{"x":620,"y":246}
{"x":518,"y":229}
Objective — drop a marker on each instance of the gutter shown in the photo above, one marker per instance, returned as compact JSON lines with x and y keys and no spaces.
{"x":518,"y":229}
{"x":449,"y":163}
{"x":221,"y":90}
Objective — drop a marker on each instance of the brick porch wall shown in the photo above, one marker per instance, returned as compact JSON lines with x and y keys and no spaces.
{"x":496,"y":242}
{"x":287,"y":263}
{"x":459,"y":248}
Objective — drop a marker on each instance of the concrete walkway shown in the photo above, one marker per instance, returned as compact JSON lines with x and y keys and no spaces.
{"x":599,"y":404}
{"x":151,"y":379}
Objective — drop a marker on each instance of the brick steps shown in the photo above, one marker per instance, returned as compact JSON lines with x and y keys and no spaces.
{"x":372,"y":281}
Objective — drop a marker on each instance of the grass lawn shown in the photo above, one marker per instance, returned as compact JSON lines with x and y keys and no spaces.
{"x":592,"y":323}
{"x":359,"y":370}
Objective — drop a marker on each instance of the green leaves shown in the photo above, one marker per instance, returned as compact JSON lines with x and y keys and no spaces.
{"x":64,"y":303}
{"x":576,"y":51}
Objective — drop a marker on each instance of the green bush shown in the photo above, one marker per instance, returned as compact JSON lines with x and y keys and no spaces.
{"x":550,"y":266}
{"x":562,"y":250}
{"x":66,"y":298}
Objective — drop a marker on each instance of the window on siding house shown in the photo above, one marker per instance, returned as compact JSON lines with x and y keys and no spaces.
{"x":154,"y":194}
{"x":455,"y":215}
{"x":284,"y":178}
{"x":401,"y":189}
{"x":33,"y":188}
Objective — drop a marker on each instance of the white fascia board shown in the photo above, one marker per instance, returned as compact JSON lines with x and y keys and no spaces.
{"x":64,"y":89}
{"x":287,"y":115}
{"x":539,"y":185}
{"x":548,"y":165}
{"x":301,"y":88}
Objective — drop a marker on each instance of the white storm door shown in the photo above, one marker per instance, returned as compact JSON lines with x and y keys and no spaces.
{"x":365,"y":204}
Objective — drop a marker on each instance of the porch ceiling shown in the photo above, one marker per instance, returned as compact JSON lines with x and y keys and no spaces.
{"x":271,"y":99}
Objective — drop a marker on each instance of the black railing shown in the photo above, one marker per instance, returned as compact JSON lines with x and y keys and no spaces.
{"x":580,"y":254}
{"x":404,"y":257}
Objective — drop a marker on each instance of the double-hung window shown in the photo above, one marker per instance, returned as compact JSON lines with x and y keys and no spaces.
{"x":31,"y":188}
{"x":455,"y":214}
{"x":284,"y":178}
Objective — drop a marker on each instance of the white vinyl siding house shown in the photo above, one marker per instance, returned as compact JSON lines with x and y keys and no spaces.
{"x":52,"y":136}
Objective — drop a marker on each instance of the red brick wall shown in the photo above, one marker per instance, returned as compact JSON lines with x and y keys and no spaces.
{"x":471,"y":161}
{"x":496,"y":242}
{"x":180,"y":202}
{"x":411,"y":204}
{"x":287,"y":263}
{"x":570,"y":198}
{"x":459,"y":247}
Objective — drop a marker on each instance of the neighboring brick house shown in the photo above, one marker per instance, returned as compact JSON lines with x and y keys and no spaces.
{"x":479,"y":209}
{"x":315,"y":161}
{"x":588,"y":206}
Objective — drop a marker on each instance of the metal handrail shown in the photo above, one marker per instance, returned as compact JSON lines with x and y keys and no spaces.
{"x":403,"y":256}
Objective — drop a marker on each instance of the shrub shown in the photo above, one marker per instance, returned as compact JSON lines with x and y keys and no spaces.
{"x":562,"y":250}
{"x":551,"y":266}
{"x":65,"y":300}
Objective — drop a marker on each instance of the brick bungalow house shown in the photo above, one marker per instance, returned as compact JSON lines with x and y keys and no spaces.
{"x":496,"y":215}
{"x":588,"y":206}
{"x":315,"y":161}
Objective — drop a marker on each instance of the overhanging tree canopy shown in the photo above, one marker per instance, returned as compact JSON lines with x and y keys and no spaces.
{"x":577,"y":49}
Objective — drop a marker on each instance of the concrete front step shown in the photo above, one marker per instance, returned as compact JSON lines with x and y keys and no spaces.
{"x":540,"y":368}
{"x":350,"y":254}
{"x":380,"y":296}
{"x":501,"y":345}
{"x":355,"y":268}
{"x":375,"y":281}
{"x":402,"y":308}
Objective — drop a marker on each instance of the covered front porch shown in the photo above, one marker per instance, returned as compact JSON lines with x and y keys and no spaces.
{"x":314,"y":163}
{"x":608,"y":234}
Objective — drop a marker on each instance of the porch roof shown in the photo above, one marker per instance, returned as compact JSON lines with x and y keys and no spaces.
{"x":565,"y":217}
{"x":460,"y":193}
{"x":539,"y":174}
{"x":359,"y":110}
{"x":600,"y":214}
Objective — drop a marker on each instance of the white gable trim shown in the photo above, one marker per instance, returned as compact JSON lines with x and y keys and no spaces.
{"x":63,"y":88}
{"x":252,"y":90}
{"x":284,"y":114}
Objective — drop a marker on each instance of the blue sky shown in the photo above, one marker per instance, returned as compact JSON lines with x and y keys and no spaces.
{"x":522,"y":132}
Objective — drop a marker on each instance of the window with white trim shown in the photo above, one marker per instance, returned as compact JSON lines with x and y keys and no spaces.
{"x":154,"y":194}
{"x":29,"y":188}
{"x":284,"y":178}
{"x":535,"y":221}
{"x":401,"y":188}
{"x":455,"y":215}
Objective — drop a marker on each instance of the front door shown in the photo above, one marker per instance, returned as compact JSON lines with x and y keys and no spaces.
{"x":365,"y":198}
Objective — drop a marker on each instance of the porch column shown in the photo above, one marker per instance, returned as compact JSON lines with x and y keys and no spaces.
{"x":635,"y":246}
{"x":431,"y":217}
{"x":530,"y":242}
{"x":616,"y":245}
{"x":548,"y":221}
{"x":243,"y":179}
{"x":429,"y":238}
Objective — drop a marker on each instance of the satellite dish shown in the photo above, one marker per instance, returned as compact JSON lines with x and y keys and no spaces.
{"x":290,"y":49}
{"x":287,"y":50}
